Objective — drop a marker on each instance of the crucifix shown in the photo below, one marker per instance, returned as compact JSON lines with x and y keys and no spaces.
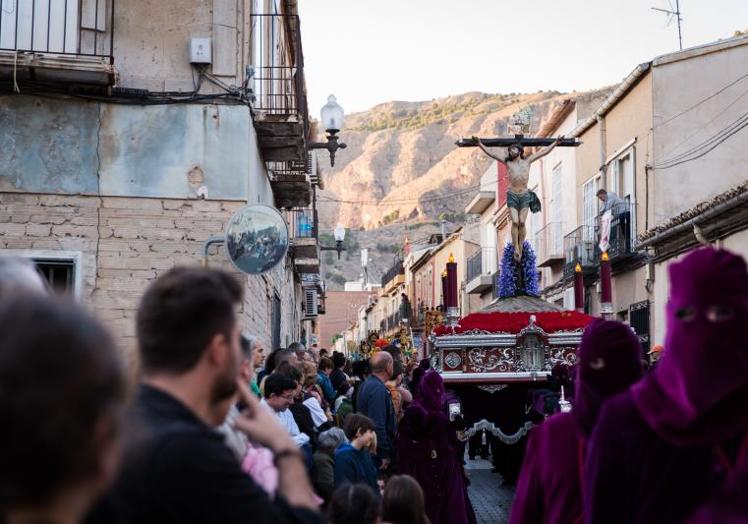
{"x":520,"y":200}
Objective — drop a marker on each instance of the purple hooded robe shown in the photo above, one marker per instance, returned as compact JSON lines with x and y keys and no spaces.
{"x":652,"y":455}
{"x":428,"y":450}
{"x":549,"y":489}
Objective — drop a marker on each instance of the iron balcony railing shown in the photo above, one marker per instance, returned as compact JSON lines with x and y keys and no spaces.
{"x":278,"y":62}
{"x":474,"y":266}
{"x":63,"y":27}
{"x":580,"y":246}
{"x":396,"y":269}
{"x":303,"y":223}
{"x":621,"y":238}
{"x":550,"y":242}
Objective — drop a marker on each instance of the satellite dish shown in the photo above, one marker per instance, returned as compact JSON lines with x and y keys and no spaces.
{"x":256,"y":239}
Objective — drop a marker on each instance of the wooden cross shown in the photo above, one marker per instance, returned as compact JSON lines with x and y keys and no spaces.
{"x":519,"y":140}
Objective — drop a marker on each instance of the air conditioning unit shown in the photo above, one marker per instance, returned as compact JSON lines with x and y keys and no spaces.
{"x":311,"y":309}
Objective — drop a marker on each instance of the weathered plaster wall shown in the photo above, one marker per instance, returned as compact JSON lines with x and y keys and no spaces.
{"x":165,"y":151}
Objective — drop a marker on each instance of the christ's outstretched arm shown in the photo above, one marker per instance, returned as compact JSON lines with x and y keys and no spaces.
{"x":540,"y":154}
{"x":486,"y":151}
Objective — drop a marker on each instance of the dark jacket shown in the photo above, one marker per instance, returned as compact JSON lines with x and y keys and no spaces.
{"x":324,"y":474}
{"x":353,"y":466}
{"x":337,"y":377}
{"x":375,"y":402}
{"x":178,"y":470}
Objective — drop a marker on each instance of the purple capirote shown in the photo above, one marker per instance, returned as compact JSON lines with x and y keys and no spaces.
{"x":428,"y":450}
{"x":549,"y":489}
{"x":652,"y":454}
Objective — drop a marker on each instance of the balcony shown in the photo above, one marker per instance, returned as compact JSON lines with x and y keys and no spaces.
{"x":480,"y":202}
{"x":393,"y":277}
{"x":580,"y":246}
{"x":479,"y":280}
{"x":302,"y":228}
{"x":550,"y":245}
{"x":280,"y":106}
{"x":68,"y":41}
{"x":622,"y":233}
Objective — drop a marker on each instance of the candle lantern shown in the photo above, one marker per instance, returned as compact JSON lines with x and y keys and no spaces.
{"x":606,"y":287}
{"x":578,"y":288}
{"x":444,"y":290}
{"x":453,"y":312}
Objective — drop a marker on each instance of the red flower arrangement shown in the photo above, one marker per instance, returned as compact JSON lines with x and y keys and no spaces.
{"x":381,"y":342}
{"x":501,"y":322}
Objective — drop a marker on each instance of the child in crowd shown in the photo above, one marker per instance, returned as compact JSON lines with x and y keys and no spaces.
{"x":324,"y":461}
{"x":353,"y":462}
{"x":403,"y":501}
{"x":354,"y":504}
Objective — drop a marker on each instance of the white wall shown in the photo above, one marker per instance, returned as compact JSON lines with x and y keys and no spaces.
{"x":678,"y":85}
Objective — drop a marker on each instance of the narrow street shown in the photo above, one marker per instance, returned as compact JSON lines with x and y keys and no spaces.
{"x":491,"y":500}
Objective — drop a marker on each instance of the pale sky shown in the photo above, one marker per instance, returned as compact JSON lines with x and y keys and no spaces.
{"x":372,"y":51}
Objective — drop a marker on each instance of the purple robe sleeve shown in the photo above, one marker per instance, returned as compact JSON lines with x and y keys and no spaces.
{"x":527,"y":507}
{"x":608,"y":478}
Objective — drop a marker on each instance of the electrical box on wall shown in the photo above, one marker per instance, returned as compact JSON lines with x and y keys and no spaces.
{"x":200,"y":51}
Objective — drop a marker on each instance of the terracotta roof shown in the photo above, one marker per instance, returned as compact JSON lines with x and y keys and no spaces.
{"x":695,"y":211}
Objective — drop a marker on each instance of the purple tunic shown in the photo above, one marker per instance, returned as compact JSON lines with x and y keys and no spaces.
{"x":651,"y":457}
{"x":550,"y":484}
{"x":428,"y":450}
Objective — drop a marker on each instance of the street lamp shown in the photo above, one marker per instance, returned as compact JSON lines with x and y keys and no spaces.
{"x":339,"y":234}
{"x":331,"y":116}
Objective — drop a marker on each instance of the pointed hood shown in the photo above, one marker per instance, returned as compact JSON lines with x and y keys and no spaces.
{"x":698,"y":393}
{"x":609,"y":361}
{"x":431,"y":392}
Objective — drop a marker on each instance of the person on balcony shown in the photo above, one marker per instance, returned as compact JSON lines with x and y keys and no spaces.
{"x":611,"y":202}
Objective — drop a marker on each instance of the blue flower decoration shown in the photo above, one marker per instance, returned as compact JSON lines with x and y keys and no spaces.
{"x":508,"y":286}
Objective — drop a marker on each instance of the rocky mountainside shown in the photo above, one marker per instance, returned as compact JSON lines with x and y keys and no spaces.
{"x":402,"y":166}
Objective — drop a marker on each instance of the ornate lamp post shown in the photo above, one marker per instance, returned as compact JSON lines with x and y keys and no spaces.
{"x":331,"y":116}
{"x":339,"y":234}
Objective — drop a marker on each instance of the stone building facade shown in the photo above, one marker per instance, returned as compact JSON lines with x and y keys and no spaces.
{"x":121,"y":159}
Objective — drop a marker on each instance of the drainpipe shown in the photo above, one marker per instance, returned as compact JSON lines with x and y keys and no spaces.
{"x":603,"y":154}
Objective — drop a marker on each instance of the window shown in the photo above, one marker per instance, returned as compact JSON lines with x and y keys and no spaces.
{"x":60,"y":269}
{"x":59,"y":274}
{"x":639,"y":315}
{"x":589,"y":195}
{"x":557,"y":209}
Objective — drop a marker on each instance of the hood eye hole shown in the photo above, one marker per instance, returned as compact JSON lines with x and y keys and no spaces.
{"x":720,"y":313}
{"x":686,"y":314}
{"x":597,"y":363}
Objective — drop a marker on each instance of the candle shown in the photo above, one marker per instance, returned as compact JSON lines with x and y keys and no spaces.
{"x":444,"y":290}
{"x":578,"y":288}
{"x":451,"y":283}
{"x":606,"y":287}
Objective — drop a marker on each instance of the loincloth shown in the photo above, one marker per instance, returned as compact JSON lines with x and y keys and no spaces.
{"x":520,"y":201}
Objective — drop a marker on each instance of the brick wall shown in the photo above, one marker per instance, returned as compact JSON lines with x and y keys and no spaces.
{"x":125,"y":243}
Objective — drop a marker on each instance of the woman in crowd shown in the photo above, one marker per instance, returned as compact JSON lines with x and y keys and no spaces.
{"x":354,"y":504}
{"x":403,"y":501}
{"x":429,"y":451}
{"x":62,"y":394}
{"x":661,"y":448}
{"x":324,"y":461}
{"x":353,"y":462}
{"x":312,"y":399}
{"x":549,"y":489}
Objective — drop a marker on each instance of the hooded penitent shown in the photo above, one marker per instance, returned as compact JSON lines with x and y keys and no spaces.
{"x":549,"y":489}
{"x":652,"y":456}
{"x":609,"y":361}
{"x":699,"y":392}
{"x":428,"y":450}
